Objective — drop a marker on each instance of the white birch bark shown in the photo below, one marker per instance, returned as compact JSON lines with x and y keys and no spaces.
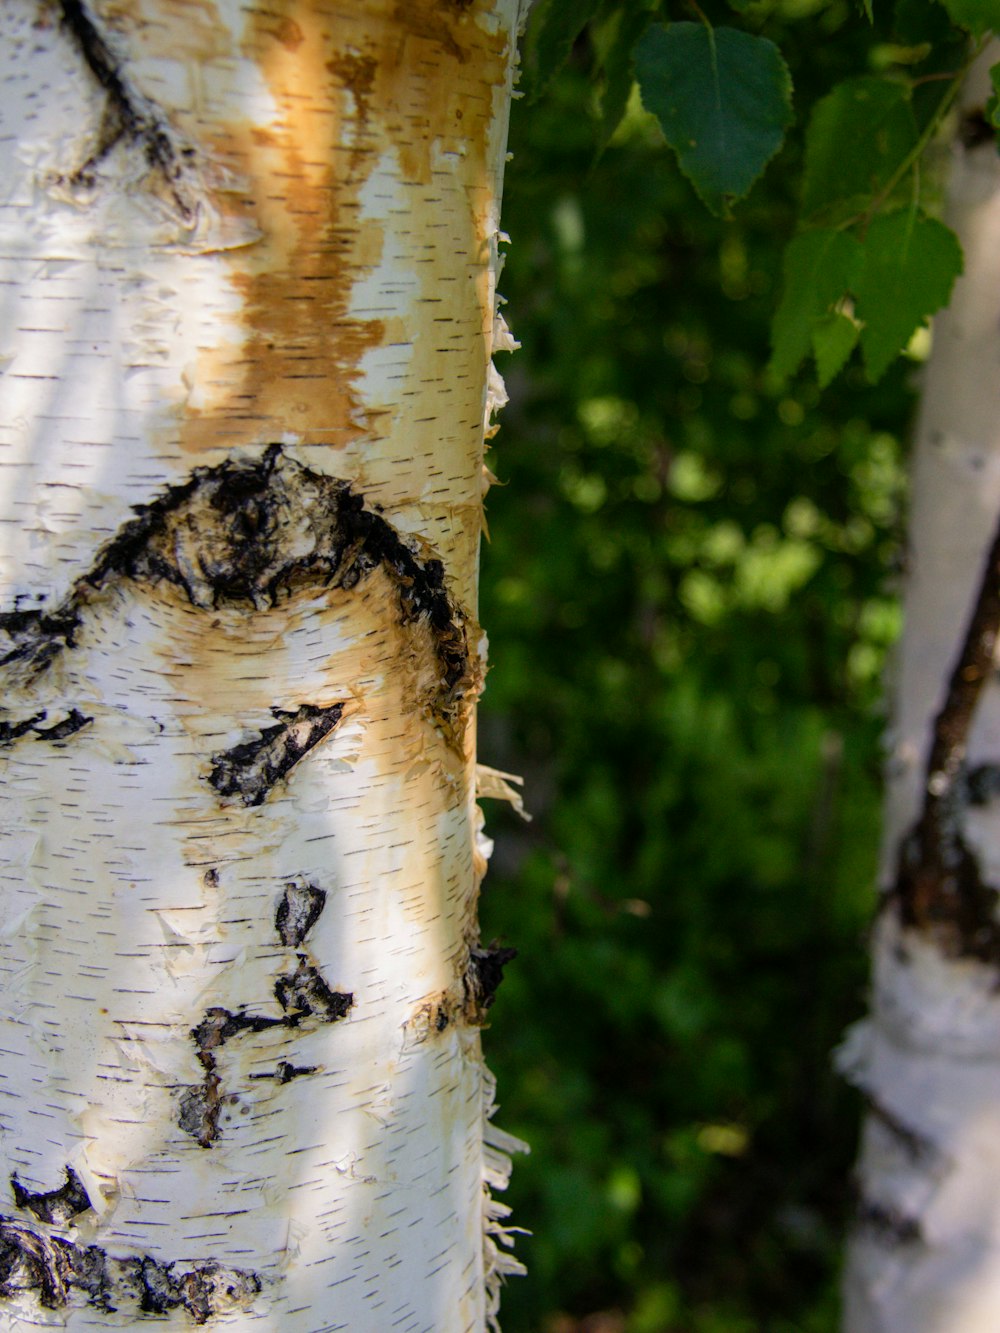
{"x":247,"y":308}
{"x":925,"y":1257}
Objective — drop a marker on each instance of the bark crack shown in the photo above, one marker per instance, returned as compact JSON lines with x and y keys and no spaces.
{"x":246,"y":534}
{"x":128,"y":116}
{"x":939,"y":888}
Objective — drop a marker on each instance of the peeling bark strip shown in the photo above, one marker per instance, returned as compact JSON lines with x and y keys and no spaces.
{"x":54,"y":1206}
{"x":128,"y":116}
{"x":54,"y":1267}
{"x":251,"y":769}
{"x":939,"y":887}
{"x":244,"y":534}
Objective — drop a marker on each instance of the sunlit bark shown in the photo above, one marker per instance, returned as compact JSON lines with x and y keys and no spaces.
{"x":247,"y":309}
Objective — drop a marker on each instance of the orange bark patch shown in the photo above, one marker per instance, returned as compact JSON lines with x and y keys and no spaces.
{"x":296,"y":367}
{"x":411,"y":82}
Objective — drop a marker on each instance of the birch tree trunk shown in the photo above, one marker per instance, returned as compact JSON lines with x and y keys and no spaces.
{"x":926,"y":1254}
{"x":247,"y":309}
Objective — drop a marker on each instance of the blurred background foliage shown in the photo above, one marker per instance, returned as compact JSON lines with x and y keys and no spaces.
{"x":691,"y":591}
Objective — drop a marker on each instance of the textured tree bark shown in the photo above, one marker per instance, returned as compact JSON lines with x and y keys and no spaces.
{"x":925,"y":1257}
{"x":247,"y":279}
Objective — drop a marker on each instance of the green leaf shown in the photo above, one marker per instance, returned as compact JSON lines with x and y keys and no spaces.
{"x":916,"y":21}
{"x":616,"y":48}
{"x":910,"y":264}
{"x":555,"y":26}
{"x":723,"y":98}
{"x":820,"y":267}
{"x":979,"y":16}
{"x":858,"y":136}
{"x":833,"y":341}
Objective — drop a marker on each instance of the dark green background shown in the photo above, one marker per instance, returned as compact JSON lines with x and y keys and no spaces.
{"x":690,"y":592}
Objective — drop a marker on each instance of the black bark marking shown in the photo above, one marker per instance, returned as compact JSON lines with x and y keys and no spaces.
{"x":203,"y":1291}
{"x":939,"y":888}
{"x":246,"y":534}
{"x":128,"y":116}
{"x":73,"y":722}
{"x":304,"y":994}
{"x":39,"y":636}
{"x":297,"y":912}
{"x":201,"y":1106}
{"x":983,"y":784}
{"x":974,"y":129}
{"x":301,"y":995}
{"x":469,"y":1001}
{"x":286,"y":1072}
{"x":54,"y":1206}
{"x":917,"y":1146}
{"x":220,"y":1025}
{"x":54,"y":1267}
{"x":29,"y":1261}
{"x":12,"y":731}
{"x":482,"y":979}
{"x":251,"y":769}
{"x":69,"y":725}
{"x":890,"y":1224}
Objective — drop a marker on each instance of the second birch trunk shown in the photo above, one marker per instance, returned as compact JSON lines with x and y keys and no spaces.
{"x":925,"y":1257}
